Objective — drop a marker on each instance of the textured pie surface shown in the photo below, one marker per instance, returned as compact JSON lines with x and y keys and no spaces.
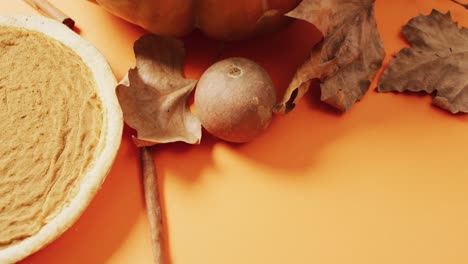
{"x":50,"y":125}
{"x":60,"y":131}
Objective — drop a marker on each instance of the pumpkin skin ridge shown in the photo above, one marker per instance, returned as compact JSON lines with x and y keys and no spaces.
{"x":218,"y":19}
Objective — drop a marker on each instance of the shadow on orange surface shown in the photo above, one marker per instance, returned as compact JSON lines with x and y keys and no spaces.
{"x":265,"y":50}
{"x":202,"y":52}
{"x":200,"y":158}
{"x":280,"y":53}
{"x":284,"y":145}
{"x":107,"y":220}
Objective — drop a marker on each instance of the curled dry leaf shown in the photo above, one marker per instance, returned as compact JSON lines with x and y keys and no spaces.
{"x":154,"y":95}
{"x":348,"y":58}
{"x":436,"y":63}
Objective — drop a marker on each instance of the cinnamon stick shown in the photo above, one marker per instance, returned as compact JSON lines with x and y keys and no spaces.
{"x":49,"y":10}
{"x":153,"y":206}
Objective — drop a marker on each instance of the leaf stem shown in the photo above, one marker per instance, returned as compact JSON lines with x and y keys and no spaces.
{"x":460,"y":3}
{"x":153,"y":205}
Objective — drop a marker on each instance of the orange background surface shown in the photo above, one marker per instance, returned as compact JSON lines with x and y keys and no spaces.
{"x":386,"y":182}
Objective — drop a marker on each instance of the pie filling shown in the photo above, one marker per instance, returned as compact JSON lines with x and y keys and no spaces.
{"x":50,"y":128}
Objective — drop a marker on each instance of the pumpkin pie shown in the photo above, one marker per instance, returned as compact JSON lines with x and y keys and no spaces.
{"x":60,"y":129}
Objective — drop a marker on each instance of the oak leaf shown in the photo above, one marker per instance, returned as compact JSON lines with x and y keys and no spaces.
{"x":437,"y":62}
{"x":347,"y":59}
{"x":154,"y":95}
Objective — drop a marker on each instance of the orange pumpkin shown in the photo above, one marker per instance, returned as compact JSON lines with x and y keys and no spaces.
{"x":219,"y":19}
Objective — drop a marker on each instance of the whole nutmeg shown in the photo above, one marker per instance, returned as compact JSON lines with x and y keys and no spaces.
{"x":234,"y":99}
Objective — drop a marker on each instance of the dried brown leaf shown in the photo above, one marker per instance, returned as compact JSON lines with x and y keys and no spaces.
{"x":154,"y":95}
{"x":348,"y":58}
{"x":436,"y":63}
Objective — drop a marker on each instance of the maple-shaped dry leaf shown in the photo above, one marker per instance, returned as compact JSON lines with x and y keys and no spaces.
{"x":436,"y":63}
{"x":154,"y":95}
{"x":348,"y":58}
